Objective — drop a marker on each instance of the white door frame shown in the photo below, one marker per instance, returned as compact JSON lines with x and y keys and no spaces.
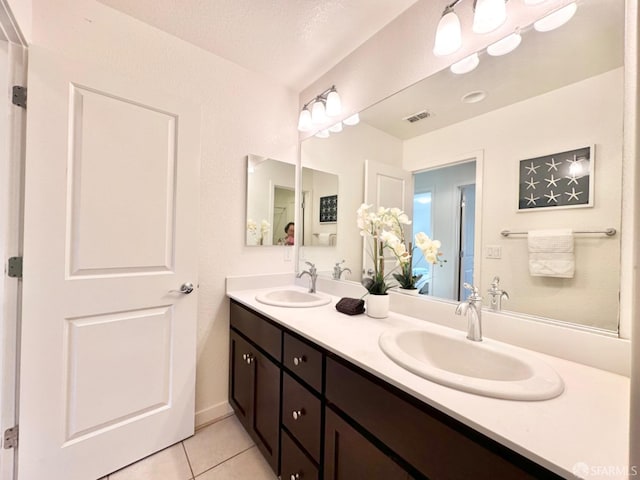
{"x":12,"y":139}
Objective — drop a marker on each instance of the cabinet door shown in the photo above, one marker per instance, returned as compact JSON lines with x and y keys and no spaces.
{"x":266,"y":408}
{"x":349,"y":455}
{"x":241,"y":378}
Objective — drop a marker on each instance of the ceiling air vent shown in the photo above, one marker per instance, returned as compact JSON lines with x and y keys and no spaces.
{"x":414,"y":117}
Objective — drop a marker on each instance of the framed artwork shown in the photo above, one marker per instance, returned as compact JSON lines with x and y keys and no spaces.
{"x":329,"y":209}
{"x":560,"y":180}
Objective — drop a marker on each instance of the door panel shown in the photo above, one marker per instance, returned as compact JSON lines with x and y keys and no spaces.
{"x":108,"y":342}
{"x":135,"y":144}
{"x":386,"y":186}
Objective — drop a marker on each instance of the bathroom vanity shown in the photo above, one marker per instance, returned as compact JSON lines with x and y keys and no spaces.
{"x":321,"y":400}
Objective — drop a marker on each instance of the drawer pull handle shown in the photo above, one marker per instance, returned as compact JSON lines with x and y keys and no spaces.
{"x":248,"y":358}
{"x":295,"y":476}
{"x":297,"y":414}
{"x":299,"y":360}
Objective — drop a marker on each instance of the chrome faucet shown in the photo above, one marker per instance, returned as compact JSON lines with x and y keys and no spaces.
{"x":337,"y":271}
{"x":497,"y":295}
{"x":472,"y":308}
{"x":313,"y":276}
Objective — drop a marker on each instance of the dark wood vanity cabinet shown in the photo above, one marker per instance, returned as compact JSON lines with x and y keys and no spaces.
{"x":316,"y":416}
{"x":254,"y":386}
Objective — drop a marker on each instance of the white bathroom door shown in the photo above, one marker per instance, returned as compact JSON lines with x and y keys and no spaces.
{"x":386,"y":186}
{"x":107,"y":368}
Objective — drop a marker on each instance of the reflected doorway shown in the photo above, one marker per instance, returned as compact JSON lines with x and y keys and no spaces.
{"x":444,"y":209}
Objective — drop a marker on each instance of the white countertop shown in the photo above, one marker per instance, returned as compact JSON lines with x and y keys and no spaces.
{"x":584,"y":429}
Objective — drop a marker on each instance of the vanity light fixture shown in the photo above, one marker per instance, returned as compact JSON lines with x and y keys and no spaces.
{"x":337,"y":128}
{"x":352,"y":120}
{"x":556,"y":19}
{"x":323,"y":133}
{"x":506,"y":45}
{"x":488,"y":15}
{"x":466,"y":65}
{"x":448,"y":32}
{"x":316,"y":111}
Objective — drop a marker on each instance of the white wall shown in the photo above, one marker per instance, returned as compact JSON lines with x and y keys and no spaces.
{"x":555,"y":122}
{"x":242,"y":113}
{"x":344,"y":154}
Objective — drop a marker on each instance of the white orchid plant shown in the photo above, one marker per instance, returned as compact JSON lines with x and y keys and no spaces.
{"x":252,"y":228}
{"x":386,"y":229}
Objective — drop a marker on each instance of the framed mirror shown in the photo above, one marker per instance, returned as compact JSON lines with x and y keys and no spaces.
{"x":270,"y":201}
{"x":559,"y":91}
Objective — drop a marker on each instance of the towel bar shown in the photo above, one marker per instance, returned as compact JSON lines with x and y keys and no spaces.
{"x":609,"y":232}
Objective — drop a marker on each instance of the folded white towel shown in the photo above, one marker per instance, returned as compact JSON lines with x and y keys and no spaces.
{"x":323,"y":238}
{"x":551,"y":253}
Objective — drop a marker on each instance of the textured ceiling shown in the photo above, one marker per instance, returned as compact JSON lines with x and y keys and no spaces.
{"x":292,"y":41}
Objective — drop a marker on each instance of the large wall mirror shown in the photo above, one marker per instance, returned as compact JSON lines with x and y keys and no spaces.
{"x":318,"y":208}
{"x":270,"y":201}
{"x":559,"y":91}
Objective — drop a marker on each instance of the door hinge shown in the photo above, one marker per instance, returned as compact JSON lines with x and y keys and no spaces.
{"x":19,"y":96}
{"x":15,"y":267}
{"x":10,"y":438}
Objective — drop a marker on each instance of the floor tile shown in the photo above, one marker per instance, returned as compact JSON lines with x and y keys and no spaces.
{"x":216,"y":443}
{"x":168,"y":464}
{"x":250,"y":464}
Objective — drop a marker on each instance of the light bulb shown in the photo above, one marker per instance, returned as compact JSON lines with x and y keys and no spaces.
{"x":556,"y":19}
{"x":489,"y":15}
{"x":323,"y":134}
{"x":448,"y":34}
{"x":304,"y":121}
{"x":334,"y":105}
{"x":318,"y":114}
{"x":337,"y":128}
{"x":352,"y":120}
{"x":466,"y":64}
{"x":504,"y":46}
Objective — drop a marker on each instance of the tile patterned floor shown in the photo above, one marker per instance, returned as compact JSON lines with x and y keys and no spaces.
{"x":220,"y":451}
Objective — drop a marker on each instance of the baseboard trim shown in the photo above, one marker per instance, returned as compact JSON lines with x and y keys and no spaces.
{"x":213,"y":413}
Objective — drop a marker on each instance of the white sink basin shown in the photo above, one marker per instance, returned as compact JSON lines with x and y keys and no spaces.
{"x":293,"y":298}
{"x":486,"y":368}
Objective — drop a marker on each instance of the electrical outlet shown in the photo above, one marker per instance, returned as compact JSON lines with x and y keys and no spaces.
{"x":287,"y":253}
{"x":493,"y":251}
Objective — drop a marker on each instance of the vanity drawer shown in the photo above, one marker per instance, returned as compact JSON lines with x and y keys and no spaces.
{"x":427,"y":439}
{"x":294,"y":463}
{"x":267,"y":336}
{"x":301,"y":414}
{"x":303,"y":360}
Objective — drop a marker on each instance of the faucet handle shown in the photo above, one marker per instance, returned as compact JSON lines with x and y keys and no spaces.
{"x":475,"y":292}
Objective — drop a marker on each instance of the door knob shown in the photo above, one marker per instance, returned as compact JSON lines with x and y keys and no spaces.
{"x":185,"y":288}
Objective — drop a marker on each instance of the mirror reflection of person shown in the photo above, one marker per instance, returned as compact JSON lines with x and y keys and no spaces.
{"x":289,"y":230}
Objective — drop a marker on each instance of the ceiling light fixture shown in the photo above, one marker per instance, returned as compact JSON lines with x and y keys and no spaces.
{"x":466,"y":65}
{"x":448,"y":33}
{"x":488,"y":15}
{"x":506,"y":45}
{"x":318,"y":110}
{"x":556,"y":19}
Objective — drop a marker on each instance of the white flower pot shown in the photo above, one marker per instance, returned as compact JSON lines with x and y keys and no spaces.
{"x":378,"y":306}
{"x":409,"y":291}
